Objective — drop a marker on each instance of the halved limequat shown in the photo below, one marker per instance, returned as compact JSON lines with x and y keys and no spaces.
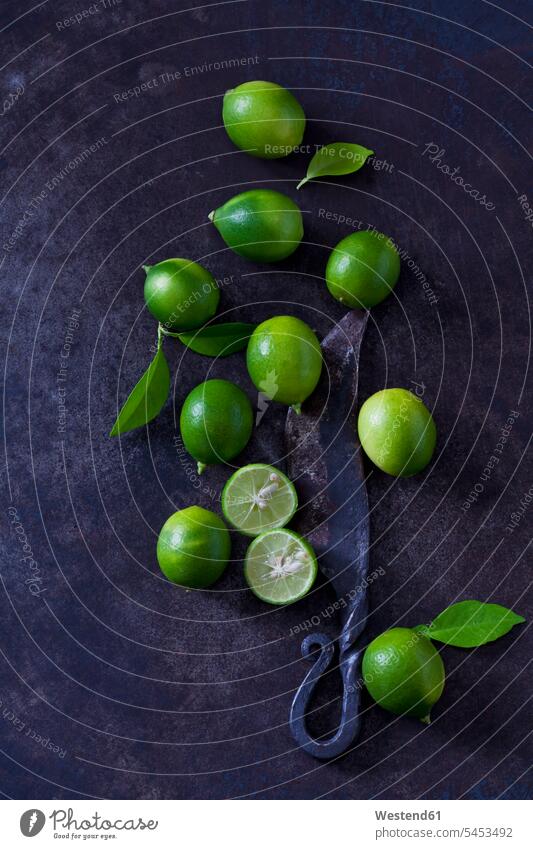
{"x":258,"y":498}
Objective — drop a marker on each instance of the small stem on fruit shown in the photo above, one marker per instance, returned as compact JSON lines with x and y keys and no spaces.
{"x":302,"y":182}
{"x":146,"y":268}
{"x":426,"y":719}
{"x":297,"y":408}
{"x":211,"y":215}
{"x":166,"y":332}
{"x":201,"y":467}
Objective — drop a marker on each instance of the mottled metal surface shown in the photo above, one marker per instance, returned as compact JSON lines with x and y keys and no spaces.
{"x":324,"y":460}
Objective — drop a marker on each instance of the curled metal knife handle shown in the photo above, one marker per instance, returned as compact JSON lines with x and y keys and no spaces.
{"x":350,"y":721}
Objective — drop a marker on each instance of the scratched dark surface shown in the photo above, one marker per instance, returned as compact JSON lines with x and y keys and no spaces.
{"x":112,"y":682}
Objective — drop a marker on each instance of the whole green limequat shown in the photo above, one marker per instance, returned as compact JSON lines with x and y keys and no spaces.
{"x":180,"y":293}
{"x":263,"y":118}
{"x":404,"y":673}
{"x":284,"y":359}
{"x":193,"y":548}
{"x":261,"y":225}
{"x":216,"y":422}
{"x":397,"y":432}
{"x":363,"y":269}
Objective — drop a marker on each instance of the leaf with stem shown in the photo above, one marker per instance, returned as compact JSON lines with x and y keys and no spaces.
{"x":147,"y":397}
{"x":470,"y":623}
{"x":218,"y":340}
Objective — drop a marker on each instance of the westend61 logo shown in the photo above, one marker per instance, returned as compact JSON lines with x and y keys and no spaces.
{"x":32,"y":822}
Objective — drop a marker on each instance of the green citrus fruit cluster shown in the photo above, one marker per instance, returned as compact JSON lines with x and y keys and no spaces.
{"x":402,"y":670}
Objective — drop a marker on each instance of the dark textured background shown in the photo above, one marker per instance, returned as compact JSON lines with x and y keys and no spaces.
{"x":150,"y":692}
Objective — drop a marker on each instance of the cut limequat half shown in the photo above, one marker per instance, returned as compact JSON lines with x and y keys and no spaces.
{"x":280,"y":566}
{"x":258,"y":498}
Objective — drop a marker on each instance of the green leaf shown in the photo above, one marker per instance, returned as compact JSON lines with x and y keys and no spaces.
{"x":218,"y":340}
{"x":146,"y":398}
{"x":471,"y":623}
{"x":335,"y":159}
